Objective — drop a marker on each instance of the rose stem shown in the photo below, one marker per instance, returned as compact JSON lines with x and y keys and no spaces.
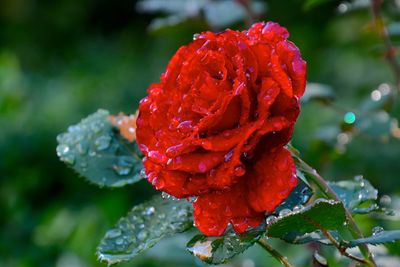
{"x":328,"y":191}
{"x":390,"y":54}
{"x":342,"y":249}
{"x":282,"y":259}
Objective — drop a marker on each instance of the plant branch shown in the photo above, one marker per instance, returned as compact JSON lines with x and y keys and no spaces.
{"x":328,"y":191}
{"x":390,"y":54}
{"x":282,"y":259}
{"x":342,"y":249}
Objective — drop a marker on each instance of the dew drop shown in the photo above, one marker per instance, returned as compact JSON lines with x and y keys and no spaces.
{"x":156,"y":156}
{"x":202,"y":167}
{"x":113,"y":233}
{"x":142,"y":174}
{"x":142,"y":235}
{"x":102,"y":142}
{"x":271,"y":219}
{"x":298,"y":208}
{"x":62,"y":150}
{"x":82,"y":147}
{"x":385,"y":201}
{"x":228,"y":156}
{"x":119,"y":241}
{"x":284,"y":212}
{"x":149,"y":211}
{"x":239,"y":170}
{"x":122,"y":170}
{"x":377,"y":230}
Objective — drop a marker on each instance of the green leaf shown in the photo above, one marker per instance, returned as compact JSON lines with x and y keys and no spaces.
{"x":299,"y":196}
{"x":376,"y":239}
{"x":96,"y":151}
{"x":218,"y":250}
{"x":143,"y":227}
{"x":322,"y":214}
{"x":355,"y":192}
{"x":316,"y":236}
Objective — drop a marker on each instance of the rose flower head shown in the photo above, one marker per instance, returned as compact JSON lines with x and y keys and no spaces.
{"x":215,"y":126}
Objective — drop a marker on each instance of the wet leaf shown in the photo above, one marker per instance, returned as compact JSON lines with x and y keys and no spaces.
{"x":96,"y":151}
{"x":322,"y":214}
{"x":356,"y":192}
{"x":298,"y":197}
{"x":377,"y":238}
{"x":217,"y":250}
{"x":316,"y":236}
{"x":143,"y":227}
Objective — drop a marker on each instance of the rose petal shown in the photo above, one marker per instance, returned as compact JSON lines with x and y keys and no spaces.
{"x":213,"y":211}
{"x":271,"y":180}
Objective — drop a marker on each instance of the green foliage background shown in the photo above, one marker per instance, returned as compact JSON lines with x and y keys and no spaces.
{"x":62,"y":60}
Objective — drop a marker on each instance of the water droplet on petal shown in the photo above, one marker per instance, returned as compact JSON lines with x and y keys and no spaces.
{"x":228,"y":156}
{"x":239,"y":170}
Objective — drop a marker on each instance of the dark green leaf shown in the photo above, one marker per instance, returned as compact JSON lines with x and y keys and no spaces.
{"x":95,"y":150}
{"x":299,"y":196}
{"x":316,"y":236}
{"x":143,"y":227}
{"x":217,"y":250}
{"x":376,"y":239}
{"x":322,"y":214}
{"x":355,"y":192}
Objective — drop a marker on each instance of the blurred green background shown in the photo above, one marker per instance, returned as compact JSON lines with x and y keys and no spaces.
{"x":62,"y":60}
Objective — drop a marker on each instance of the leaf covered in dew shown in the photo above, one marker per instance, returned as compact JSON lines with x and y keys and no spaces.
{"x":95,"y":149}
{"x":355,"y":193}
{"x":218,"y":250}
{"x":379,"y":236}
{"x":322,"y":214}
{"x":143,"y":227}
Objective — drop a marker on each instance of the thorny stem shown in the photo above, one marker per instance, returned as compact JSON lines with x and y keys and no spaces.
{"x":342,"y":249}
{"x":390,"y":54}
{"x":328,"y":191}
{"x":282,"y":259}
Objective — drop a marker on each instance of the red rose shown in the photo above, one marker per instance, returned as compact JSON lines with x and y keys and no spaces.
{"x":216,"y":124}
